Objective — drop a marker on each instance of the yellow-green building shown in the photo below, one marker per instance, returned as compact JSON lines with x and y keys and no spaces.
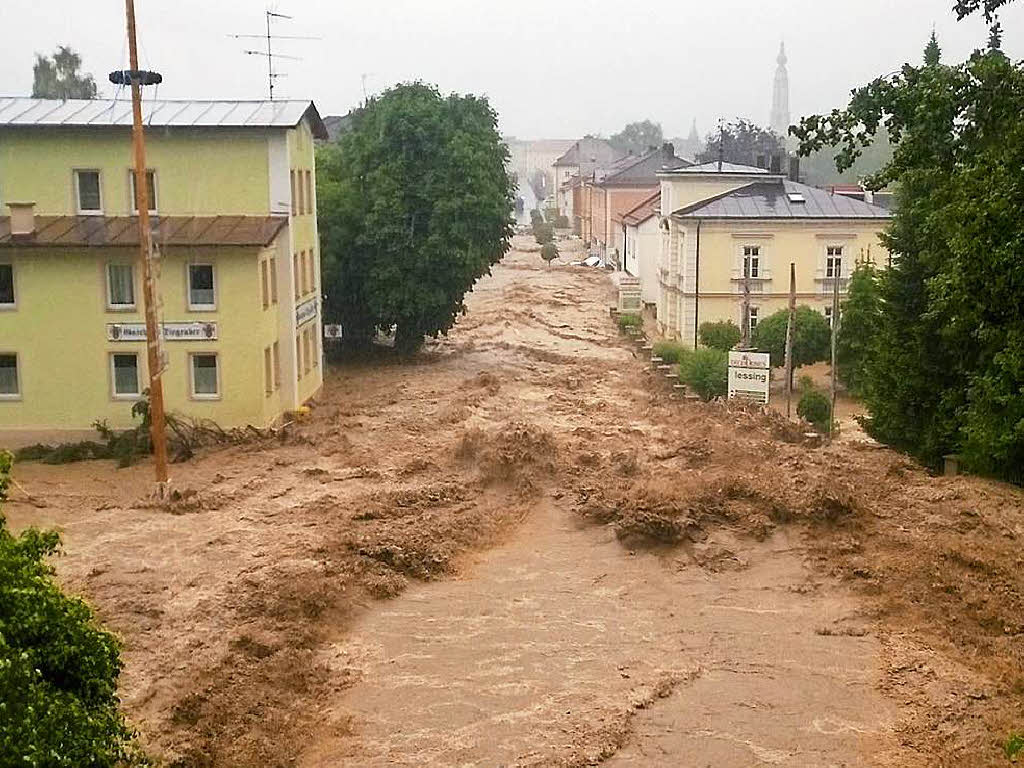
{"x":233,"y":212}
{"x":728,"y":229}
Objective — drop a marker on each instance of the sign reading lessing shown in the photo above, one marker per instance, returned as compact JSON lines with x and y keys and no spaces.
{"x":168,"y":331}
{"x":305,"y":312}
{"x":749,"y":376}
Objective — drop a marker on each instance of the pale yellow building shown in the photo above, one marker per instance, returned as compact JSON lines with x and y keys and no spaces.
{"x":233,"y":206}
{"x":724,"y":226}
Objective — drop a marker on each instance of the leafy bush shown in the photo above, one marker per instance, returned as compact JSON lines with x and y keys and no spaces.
{"x":815,"y":407}
{"x":812,"y":337}
{"x":670,"y":351}
{"x":549,"y":252}
{"x":858,"y":329}
{"x":58,"y":669}
{"x":1014,"y":746}
{"x":706,"y":372}
{"x":630,"y":321}
{"x":544,"y":233}
{"x":724,"y":335}
{"x":536,"y":217}
{"x":562,"y":222}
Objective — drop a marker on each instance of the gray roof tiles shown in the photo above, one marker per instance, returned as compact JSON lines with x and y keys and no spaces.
{"x":770,"y":200}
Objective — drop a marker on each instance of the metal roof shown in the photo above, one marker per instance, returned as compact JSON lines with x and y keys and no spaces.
{"x":712,"y":167}
{"x":111,"y":231}
{"x":771,"y":200}
{"x":23,"y":111}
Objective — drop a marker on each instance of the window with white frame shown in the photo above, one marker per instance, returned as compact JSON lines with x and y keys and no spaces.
{"x":752,"y":318}
{"x":6,"y":285}
{"x":201,"y":287}
{"x":120,"y":286}
{"x":751,"y":260}
{"x":273,"y":279}
{"x":88,"y":197}
{"x":150,"y":190}
{"x":9,"y":386}
{"x":828,"y":316}
{"x":124,"y":369}
{"x":205,"y":375}
{"x":834,"y":261}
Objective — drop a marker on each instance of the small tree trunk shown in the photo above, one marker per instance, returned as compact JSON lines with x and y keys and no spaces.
{"x":408,"y":338}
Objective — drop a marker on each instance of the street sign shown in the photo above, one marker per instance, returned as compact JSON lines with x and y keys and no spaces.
{"x":749,"y":376}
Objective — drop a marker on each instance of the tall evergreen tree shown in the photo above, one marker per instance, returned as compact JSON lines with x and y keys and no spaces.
{"x":932,"y":52}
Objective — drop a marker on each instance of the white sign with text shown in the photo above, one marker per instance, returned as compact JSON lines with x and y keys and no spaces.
{"x":750,"y":376}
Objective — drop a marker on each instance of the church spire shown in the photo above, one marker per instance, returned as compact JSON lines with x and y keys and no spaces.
{"x":779,"y":122}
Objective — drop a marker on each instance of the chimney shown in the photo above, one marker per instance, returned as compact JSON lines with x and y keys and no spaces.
{"x":23,"y":220}
{"x":794,"y":169}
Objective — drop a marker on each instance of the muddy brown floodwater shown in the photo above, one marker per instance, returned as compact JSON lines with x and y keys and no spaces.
{"x":518,"y":549}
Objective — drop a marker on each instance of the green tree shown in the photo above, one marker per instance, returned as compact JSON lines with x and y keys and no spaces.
{"x":637,"y":138}
{"x":744,"y":143}
{"x":859,"y":327}
{"x":932,"y":52}
{"x":414,"y":207}
{"x":58,"y":670}
{"x":947,"y":372}
{"x":549,"y":252}
{"x":724,"y":334}
{"x":812,"y":337}
{"x":58,"y":77}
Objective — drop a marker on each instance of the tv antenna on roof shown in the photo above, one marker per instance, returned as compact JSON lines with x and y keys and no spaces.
{"x":269,"y":54}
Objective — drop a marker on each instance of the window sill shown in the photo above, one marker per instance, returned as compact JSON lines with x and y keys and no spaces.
{"x":8,"y":307}
{"x":90,"y":213}
{"x":126,"y":398}
{"x":122,"y":308}
{"x":204,"y":398}
{"x":202,"y":307}
{"x":10,"y":398}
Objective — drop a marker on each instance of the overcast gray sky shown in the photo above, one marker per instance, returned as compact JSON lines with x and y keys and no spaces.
{"x":552,"y":68}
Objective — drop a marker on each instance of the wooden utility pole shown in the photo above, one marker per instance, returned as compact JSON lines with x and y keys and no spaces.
{"x":158,"y":427}
{"x":746,"y":302}
{"x":790,"y":329}
{"x":836,"y":273}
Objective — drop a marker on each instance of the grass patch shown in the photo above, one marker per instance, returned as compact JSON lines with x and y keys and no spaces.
{"x":1014,"y":746}
{"x":630,"y":321}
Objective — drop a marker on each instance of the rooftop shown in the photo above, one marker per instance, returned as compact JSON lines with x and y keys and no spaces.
{"x":108,"y":231}
{"x":23,"y":111}
{"x":713,"y":167}
{"x":641,"y":213}
{"x":781,"y":199}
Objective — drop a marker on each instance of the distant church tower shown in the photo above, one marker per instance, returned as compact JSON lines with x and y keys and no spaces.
{"x":779,"y":122}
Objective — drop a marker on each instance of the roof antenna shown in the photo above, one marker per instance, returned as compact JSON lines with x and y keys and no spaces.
{"x":721,"y":144}
{"x":269,"y":53}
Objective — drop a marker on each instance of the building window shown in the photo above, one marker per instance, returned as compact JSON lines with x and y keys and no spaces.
{"x":6,"y":285}
{"x":87,"y":192}
{"x":312,"y":270}
{"x":307,"y":352}
{"x":309,"y":192}
{"x":828,"y":316}
{"x":150,"y":190}
{"x":752,"y":319}
{"x":201,"y":293}
{"x":9,"y":388}
{"x":268,"y":372}
{"x":265,"y":283}
{"x":295,"y":275}
{"x":295,"y":208}
{"x":314,"y":343}
{"x":273,"y":279}
{"x":205,"y":376}
{"x":125,"y":374}
{"x":120,"y":286}
{"x":834,"y":261}
{"x":277,"y":366}
{"x":751,"y":261}
{"x":298,"y":354}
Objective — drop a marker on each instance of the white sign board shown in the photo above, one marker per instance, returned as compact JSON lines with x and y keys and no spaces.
{"x":168,"y":331}
{"x":305,"y":312}
{"x":749,"y":376}
{"x":332,"y":331}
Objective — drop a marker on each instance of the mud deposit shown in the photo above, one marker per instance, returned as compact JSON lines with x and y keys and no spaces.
{"x":518,"y":550}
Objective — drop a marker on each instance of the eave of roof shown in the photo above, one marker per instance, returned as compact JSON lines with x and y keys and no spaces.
{"x":123,"y":231}
{"x":644,"y":211}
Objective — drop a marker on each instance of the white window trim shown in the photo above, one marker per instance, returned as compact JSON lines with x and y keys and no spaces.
{"x":193,"y":395}
{"x":764,"y":272}
{"x":114,"y":394}
{"x":111,"y":307}
{"x":78,"y":197}
{"x":10,"y":396}
{"x":5,"y":306}
{"x":188,"y":286}
{"x":153,"y":208}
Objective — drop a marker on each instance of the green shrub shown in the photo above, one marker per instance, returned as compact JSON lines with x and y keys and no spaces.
{"x":544,"y":233}
{"x":812,"y":337}
{"x":1014,"y":746}
{"x":706,"y":372}
{"x":549,"y":252}
{"x":815,"y":407}
{"x":723,"y":335}
{"x":536,"y":217}
{"x":630,"y":321}
{"x":670,"y":351}
{"x":58,"y":669}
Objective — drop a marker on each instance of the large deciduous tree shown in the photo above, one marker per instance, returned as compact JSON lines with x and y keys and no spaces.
{"x":58,"y":77}
{"x":812,"y":336}
{"x":858,"y":329}
{"x":946,"y":373}
{"x":741,"y":142}
{"x":414,"y":206}
{"x":637,"y":138}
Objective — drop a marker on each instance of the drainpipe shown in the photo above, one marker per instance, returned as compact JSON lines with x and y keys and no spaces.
{"x":696,"y":289}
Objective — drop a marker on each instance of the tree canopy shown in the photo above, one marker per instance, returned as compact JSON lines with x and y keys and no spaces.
{"x":858,"y":327}
{"x":946,"y":373}
{"x":637,"y":138}
{"x":743,"y":143}
{"x":812,"y":337}
{"x":58,"y":77}
{"x":414,"y":206}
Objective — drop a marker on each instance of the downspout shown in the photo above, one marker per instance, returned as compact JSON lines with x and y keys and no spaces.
{"x":696,"y":289}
